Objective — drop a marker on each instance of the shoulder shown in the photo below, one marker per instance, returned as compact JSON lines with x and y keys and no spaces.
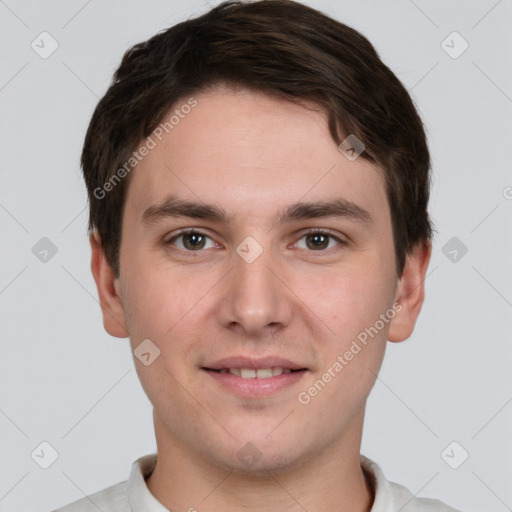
{"x":111,"y":499}
{"x":390,"y":496}
{"x":410,"y":503}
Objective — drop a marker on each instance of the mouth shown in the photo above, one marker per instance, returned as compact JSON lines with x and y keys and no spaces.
{"x":252,"y":373}
{"x":247,"y":377}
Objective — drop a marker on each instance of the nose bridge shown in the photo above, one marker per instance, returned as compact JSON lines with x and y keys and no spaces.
{"x":255,"y":297}
{"x":252,"y":262}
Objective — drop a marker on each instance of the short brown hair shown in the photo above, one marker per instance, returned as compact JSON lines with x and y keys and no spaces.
{"x":281,"y":48}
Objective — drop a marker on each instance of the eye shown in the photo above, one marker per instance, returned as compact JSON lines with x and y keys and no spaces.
{"x":193,"y":240}
{"x":319,"y":240}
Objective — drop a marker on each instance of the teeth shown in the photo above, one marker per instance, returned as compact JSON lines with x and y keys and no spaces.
{"x":247,"y":373}
{"x":264,"y":373}
{"x":251,"y":373}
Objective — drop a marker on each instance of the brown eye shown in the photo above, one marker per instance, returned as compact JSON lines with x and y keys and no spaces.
{"x":319,"y":240}
{"x":191,"y":240}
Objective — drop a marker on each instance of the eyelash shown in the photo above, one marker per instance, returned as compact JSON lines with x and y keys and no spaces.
{"x":313,"y":231}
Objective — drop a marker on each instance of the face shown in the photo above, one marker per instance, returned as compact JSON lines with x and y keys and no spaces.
{"x":286,"y":261}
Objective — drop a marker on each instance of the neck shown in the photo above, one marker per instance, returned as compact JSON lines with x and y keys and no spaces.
{"x":331,"y":481}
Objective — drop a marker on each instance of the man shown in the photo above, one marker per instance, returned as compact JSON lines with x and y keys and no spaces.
{"x":258,"y":183}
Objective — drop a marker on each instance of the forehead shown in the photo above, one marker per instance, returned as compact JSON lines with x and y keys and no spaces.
{"x":251,"y":153}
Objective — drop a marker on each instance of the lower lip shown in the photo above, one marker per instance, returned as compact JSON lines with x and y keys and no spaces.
{"x":256,"y":387}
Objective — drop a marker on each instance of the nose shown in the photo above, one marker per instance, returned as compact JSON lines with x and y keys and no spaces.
{"x":256,"y":302}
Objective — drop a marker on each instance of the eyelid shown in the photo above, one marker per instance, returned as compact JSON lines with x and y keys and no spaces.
{"x":184,"y":231}
{"x":325,"y":231}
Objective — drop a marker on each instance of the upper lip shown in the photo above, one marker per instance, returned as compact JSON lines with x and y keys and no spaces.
{"x":255,"y":363}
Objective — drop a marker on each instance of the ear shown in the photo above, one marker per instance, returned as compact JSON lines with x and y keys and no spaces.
{"x":410,"y":292}
{"x":114,"y":320}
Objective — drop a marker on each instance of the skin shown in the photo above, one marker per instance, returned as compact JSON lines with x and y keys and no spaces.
{"x":253,"y":155}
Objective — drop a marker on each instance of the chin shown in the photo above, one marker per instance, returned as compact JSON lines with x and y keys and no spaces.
{"x":268,"y":464}
{"x":259,"y":456}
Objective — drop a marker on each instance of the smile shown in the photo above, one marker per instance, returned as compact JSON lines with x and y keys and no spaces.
{"x":251,"y":373}
{"x":255,"y":383}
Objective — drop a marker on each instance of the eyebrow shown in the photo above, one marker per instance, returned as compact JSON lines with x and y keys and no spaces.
{"x":341,"y":208}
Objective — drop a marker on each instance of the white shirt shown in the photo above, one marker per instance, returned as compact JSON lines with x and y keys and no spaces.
{"x":133,"y":495}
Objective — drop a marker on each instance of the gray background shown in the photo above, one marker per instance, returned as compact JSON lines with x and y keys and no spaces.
{"x":63,"y":380}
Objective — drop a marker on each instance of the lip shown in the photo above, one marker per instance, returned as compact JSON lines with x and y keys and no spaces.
{"x":254,"y":363}
{"x":255,"y":388}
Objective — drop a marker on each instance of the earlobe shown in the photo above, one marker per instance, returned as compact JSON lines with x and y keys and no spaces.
{"x":410,"y":292}
{"x":114,"y":320}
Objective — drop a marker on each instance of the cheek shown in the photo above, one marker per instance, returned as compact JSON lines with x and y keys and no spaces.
{"x":348,"y":299}
{"x":156,"y":301}
{"x":168,"y":307}
{"x":353,"y":350}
